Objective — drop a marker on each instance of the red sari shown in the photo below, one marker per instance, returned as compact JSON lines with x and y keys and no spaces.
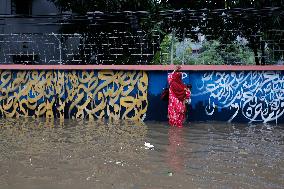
{"x":177,"y":94}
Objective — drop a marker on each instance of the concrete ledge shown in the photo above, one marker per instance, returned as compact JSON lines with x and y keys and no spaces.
{"x":141,"y":67}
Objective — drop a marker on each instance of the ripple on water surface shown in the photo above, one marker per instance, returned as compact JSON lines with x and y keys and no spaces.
{"x":102,"y":154}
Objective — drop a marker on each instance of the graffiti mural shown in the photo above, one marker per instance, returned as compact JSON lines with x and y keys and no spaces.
{"x":258,"y":96}
{"x":250,"y":96}
{"x":74,"y":94}
{"x":234,"y":96}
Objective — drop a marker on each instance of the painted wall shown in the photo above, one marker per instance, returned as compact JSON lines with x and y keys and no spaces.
{"x":237,"y":96}
{"x":74,"y":94}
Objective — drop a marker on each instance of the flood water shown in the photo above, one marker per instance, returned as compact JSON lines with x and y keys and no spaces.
{"x":99,"y":154}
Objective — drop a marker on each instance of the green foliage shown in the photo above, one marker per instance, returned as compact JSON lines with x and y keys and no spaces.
{"x":212,"y":52}
{"x":164,"y":55}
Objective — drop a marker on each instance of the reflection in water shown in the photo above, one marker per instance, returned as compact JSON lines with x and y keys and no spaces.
{"x":73,"y":154}
{"x":175,"y":157}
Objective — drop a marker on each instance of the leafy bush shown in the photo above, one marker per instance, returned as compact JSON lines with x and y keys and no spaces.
{"x":163,"y":56}
{"x":210,"y":52}
{"x":213,"y":52}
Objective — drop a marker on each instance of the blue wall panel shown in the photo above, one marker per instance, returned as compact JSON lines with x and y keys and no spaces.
{"x":242,"y":96}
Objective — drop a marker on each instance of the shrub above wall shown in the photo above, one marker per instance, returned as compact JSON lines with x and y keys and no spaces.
{"x":203,"y":52}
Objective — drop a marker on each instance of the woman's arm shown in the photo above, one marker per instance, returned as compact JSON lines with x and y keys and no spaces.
{"x":170,"y":76}
{"x":178,"y":67}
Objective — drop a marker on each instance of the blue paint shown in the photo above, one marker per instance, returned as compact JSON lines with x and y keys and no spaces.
{"x":244,"y":96}
{"x":157,"y":81}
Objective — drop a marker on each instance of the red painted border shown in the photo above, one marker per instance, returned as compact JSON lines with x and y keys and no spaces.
{"x":138,"y":67}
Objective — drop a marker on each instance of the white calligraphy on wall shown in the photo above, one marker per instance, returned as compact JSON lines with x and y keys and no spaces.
{"x":184,"y":75}
{"x":257,"y":95}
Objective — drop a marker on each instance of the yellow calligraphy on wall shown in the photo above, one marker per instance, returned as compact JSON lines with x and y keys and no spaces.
{"x":74,"y":94}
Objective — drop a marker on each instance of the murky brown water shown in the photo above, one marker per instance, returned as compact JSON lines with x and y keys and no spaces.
{"x":84,"y":154}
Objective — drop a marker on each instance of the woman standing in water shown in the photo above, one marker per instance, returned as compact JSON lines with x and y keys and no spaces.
{"x":178,"y":94}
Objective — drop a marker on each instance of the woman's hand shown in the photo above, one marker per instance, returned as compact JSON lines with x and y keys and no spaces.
{"x":178,"y":67}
